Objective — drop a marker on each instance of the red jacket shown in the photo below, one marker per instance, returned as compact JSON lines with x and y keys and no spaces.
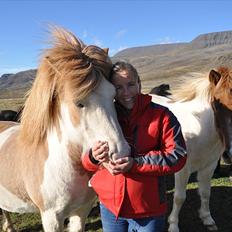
{"x":158,"y":147}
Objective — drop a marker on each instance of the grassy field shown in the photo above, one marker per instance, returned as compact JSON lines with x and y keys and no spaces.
{"x":220,"y":204}
{"x":11,"y":103}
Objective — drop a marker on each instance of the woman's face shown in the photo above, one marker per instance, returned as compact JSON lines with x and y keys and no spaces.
{"x":127,"y":88}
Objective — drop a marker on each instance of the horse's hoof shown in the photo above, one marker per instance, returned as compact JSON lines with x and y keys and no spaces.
{"x":173,"y":228}
{"x":212,"y":227}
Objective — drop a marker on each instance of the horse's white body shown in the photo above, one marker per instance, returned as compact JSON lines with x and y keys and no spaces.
{"x":63,"y":190}
{"x":204,"y":148}
{"x":45,"y":173}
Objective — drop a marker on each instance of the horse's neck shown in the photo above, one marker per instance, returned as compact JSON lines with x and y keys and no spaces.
{"x":196,"y":117}
{"x":196,"y":105}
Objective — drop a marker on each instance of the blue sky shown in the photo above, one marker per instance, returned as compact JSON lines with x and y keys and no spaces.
{"x":114,"y":24}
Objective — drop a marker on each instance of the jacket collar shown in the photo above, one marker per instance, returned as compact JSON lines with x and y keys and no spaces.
{"x":141,"y":103}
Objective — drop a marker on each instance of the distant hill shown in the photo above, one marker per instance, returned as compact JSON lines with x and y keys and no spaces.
{"x":156,"y":63}
{"x":212,"y":39}
{"x":166,"y":63}
{"x":15,"y":85}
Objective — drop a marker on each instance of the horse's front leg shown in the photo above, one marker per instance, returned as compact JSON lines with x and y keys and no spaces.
{"x":7,"y":224}
{"x":52,"y":221}
{"x":77,"y":221}
{"x":204,"y":176}
{"x":181,"y":180}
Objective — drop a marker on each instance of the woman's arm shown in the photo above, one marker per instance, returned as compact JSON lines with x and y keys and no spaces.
{"x":96,"y":156}
{"x":171,"y":156}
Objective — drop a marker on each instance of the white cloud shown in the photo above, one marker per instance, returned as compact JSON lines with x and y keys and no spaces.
{"x":167,"y":40}
{"x":120,"y":33}
{"x":113,"y":51}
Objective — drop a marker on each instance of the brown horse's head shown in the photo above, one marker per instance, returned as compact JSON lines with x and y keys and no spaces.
{"x":221,"y":87}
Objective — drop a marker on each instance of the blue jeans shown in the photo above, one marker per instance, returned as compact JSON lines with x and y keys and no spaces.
{"x":147,"y":224}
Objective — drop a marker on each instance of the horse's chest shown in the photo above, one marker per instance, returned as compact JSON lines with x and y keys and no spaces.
{"x":62,"y":185}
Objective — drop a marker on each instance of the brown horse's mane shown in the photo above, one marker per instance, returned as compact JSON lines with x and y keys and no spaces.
{"x":191,"y":86}
{"x":68,"y":72}
{"x":198,"y":85}
{"x":226,"y":80}
{"x":223,"y":89}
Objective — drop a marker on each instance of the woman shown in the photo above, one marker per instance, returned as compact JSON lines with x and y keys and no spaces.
{"x":132,"y":189}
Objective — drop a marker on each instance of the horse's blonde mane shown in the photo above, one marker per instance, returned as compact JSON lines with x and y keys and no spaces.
{"x":68,"y":71}
{"x":191,"y":86}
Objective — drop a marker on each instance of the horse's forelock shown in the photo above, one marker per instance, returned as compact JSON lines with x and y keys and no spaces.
{"x":97,"y":66}
{"x":100,"y":59}
{"x":224,"y":71}
{"x":226,"y":77}
{"x":78,"y":64}
{"x":65,"y":39}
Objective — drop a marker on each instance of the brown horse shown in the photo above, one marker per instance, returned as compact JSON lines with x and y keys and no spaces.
{"x":222,"y":106}
{"x":203,"y":106}
{"x":69,"y":107}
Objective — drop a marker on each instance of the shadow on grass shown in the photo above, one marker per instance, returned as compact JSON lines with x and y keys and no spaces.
{"x":189,"y":221}
{"x":220,"y":206}
{"x":35,"y":228}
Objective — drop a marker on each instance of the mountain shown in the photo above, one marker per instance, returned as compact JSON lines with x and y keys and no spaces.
{"x":212,"y":39}
{"x":167,"y":63}
{"x":15,"y":85}
{"x":163,"y":63}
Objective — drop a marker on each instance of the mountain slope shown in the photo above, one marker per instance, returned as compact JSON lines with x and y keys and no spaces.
{"x":156,"y":63}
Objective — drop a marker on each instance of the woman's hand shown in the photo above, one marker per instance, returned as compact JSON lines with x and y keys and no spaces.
{"x":121,"y":165}
{"x":100,"y":151}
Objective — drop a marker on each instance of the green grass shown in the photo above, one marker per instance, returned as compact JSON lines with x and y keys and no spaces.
{"x":219,"y":182}
{"x":11,"y":103}
{"x":221,"y":196}
{"x":32,"y":222}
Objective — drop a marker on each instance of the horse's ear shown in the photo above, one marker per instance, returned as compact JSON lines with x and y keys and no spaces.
{"x":106,"y":50}
{"x":214,"y":77}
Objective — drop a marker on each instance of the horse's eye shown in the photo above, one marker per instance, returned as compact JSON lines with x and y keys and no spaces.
{"x":80,"y":105}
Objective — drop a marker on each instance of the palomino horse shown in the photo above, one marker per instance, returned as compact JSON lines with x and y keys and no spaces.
{"x":204,"y":108}
{"x":69,"y":107}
